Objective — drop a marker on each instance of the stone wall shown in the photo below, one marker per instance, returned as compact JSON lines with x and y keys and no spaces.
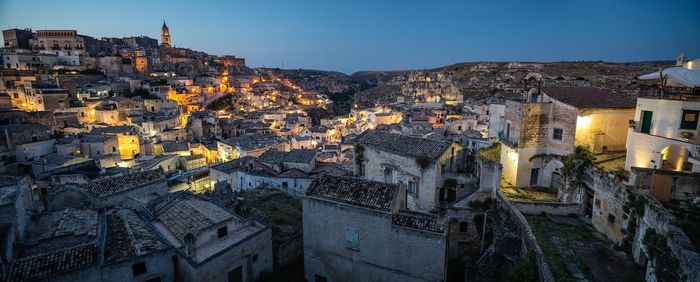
{"x":158,"y":265}
{"x":657,"y":218}
{"x":683,"y":185}
{"x":383,"y":252}
{"x":291,"y":250}
{"x":253,"y":255}
{"x":529,"y":241}
{"x":624,"y":214}
{"x":549,"y":208}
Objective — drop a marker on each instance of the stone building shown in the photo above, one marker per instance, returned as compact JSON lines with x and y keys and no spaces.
{"x":49,"y":99}
{"x":20,"y":142}
{"x":551,"y":122}
{"x":359,"y":230}
{"x":95,"y":146}
{"x":290,"y":171}
{"x":212,"y":243}
{"x":60,"y":246}
{"x":141,"y":186}
{"x":249,"y":145}
{"x":16,"y":200}
{"x":128,"y":139}
{"x":64,"y":40}
{"x":165,"y":36}
{"x":664,"y":135}
{"x":421,"y":164}
{"x":134,"y":251}
{"x":17,"y":38}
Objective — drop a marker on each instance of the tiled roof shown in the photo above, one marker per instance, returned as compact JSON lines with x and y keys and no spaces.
{"x":113,"y":129}
{"x":253,"y":141}
{"x":70,"y":221}
{"x":14,"y":128}
{"x":192,"y":216}
{"x":112,"y":185}
{"x":293,"y":156}
{"x":175,"y":146}
{"x":8,"y":179}
{"x":293,"y":173}
{"x":47,"y":265}
{"x":96,"y":138}
{"x":403,"y":145}
{"x":128,"y":236}
{"x":417,"y":220}
{"x":355,"y":191}
{"x":588,"y":97}
{"x":232,"y":165}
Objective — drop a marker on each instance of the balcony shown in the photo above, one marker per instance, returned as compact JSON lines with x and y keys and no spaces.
{"x":681,"y":135}
{"x":669,"y":92}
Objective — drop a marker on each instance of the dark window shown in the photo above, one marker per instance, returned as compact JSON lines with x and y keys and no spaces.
{"x":255,"y":257}
{"x":557,"y":134}
{"x":222,"y":232}
{"x":611,"y":219}
{"x":534,"y":175}
{"x":689,"y":120}
{"x":320,"y":278}
{"x":114,"y":149}
{"x":236,"y":275}
{"x":139,"y":268}
{"x":463,"y":226}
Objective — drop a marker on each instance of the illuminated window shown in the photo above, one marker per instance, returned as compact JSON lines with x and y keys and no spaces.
{"x":689,"y":119}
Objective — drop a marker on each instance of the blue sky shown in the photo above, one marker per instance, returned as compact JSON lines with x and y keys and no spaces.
{"x":357,"y":35}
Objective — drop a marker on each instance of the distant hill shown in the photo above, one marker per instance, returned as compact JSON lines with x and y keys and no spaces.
{"x":480,"y":82}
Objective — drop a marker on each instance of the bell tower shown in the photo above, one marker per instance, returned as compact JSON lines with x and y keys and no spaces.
{"x":165,"y":36}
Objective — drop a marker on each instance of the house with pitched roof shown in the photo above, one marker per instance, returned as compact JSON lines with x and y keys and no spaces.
{"x":140,"y":186}
{"x":360,"y":230}
{"x":213,"y":244}
{"x":549,"y":122}
{"x":421,"y":164}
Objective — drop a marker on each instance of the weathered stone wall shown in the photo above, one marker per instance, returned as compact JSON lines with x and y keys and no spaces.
{"x":529,"y":241}
{"x":609,"y":199}
{"x":657,"y":218}
{"x":158,"y":264}
{"x":384,"y":252}
{"x":549,"y":208}
{"x":684,"y":185}
{"x":291,"y":250}
{"x":239,"y":255}
{"x":610,"y":218}
{"x":404,"y":170}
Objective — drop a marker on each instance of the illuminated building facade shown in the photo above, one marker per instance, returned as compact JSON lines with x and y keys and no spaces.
{"x":551,"y":122}
{"x":165,"y":36}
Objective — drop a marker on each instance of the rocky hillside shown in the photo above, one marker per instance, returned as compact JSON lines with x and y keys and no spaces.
{"x":480,"y":82}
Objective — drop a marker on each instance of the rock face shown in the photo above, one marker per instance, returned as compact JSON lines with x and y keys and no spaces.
{"x":481,"y":82}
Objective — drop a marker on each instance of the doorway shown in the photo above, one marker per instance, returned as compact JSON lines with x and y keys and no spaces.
{"x":646,"y":121}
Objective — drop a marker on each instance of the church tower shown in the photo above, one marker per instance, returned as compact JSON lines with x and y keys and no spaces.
{"x":165,"y":36}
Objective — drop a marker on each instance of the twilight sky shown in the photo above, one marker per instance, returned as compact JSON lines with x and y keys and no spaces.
{"x":357,"y":35}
